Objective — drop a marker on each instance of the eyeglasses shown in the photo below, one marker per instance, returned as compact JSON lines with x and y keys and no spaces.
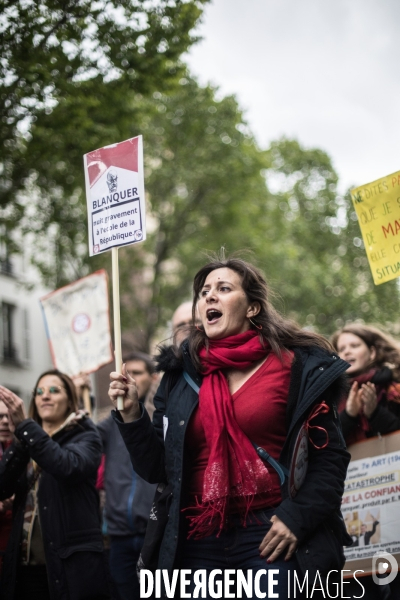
{"x":186,"y":324}
{"x":53,"y":389}
{"x":3,"y":416}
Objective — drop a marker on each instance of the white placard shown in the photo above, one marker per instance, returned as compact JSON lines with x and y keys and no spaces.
{"x":371,"y":506}
{"x":78,"y":325}
{"x":115,"y":195}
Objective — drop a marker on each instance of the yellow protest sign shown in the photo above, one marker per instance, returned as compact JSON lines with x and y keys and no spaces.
{"x":377,"y":205}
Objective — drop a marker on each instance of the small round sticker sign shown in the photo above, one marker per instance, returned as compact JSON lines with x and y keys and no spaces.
{"x":81,"y":323}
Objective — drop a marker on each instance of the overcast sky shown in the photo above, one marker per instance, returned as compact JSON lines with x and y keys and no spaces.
{"x":326,"y":72}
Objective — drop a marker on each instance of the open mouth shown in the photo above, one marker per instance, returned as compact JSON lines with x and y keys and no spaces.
{"x":213,"y":315}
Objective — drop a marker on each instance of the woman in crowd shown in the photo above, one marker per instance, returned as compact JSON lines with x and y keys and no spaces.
{"x":262,"y":380}
{"x":55,"y":548}
{"x":373,"y":403}
{"x":371,"y":407}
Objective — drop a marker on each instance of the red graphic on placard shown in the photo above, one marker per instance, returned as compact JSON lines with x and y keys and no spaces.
{"x":124,"y":155}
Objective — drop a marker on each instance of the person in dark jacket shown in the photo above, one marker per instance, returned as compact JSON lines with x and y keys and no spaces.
{"x":262,"y":381}
{"x":372,"y":406}
{"x":128,"y":496}
{"x":55,"y":549}
{"x":5,"y":505}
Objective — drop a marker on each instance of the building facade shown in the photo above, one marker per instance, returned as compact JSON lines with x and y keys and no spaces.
{"x":24,"y":349}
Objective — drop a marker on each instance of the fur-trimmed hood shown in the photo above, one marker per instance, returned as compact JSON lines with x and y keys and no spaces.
{"x":169,"y":358}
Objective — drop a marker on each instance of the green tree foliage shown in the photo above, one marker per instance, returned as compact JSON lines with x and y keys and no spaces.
{"x":54,"y":201}
{"x":364,"y":300}
{"x":317,"y":261}
{"x":77,"y":79}
{"x":205,"y":189}
{"x":52,"y":53}
{"x":206,"y":183}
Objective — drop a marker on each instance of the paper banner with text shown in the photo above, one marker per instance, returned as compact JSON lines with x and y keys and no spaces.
{"x":78,"y":325}
{"x":115,"y":195}
{"x":371,"y":508}
{"x":377,"y":205}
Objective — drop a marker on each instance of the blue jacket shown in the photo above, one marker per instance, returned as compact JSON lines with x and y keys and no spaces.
{"x":314,"y":514}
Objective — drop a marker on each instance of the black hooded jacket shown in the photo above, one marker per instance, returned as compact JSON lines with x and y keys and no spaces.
{"x":68,"y":507}
{"x":313,"y":515}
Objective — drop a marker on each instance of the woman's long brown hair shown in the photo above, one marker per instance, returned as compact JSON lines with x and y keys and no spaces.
{"x":276,"y":331}
{"x":387,"y":349}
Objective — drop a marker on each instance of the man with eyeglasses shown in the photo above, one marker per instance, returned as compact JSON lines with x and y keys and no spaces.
{"x":6,"y":505}
{"x":128,"y":497}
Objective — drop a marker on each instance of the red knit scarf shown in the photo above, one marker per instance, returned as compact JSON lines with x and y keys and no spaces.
{"x":234,"y":469}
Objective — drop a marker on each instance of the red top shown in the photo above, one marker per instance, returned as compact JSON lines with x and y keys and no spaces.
{"x":260,"y":410}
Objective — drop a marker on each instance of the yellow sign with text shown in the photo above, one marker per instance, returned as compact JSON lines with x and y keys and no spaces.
{"x":377,"y":205}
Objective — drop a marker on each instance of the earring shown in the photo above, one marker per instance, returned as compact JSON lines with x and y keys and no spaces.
{"x":198,"y":329}
{"x":259,"y":327}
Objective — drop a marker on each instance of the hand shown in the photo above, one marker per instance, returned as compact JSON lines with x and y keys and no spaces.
{"x":6,"y":505}
{"x":278,"y":538}
{"x":16,"y":408}
{"x":81,"y":381}
{"x":354,"y":403}
{"x":369,"y":398}
{"x":79,"y":415}
{"x":124,"y":386}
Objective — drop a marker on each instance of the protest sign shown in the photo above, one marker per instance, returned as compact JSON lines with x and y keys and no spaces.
{"x":78,"y":325}
{"x":377,"y":205}
{"x":115,"y":195}
{"x":371,"y":502}
{"x":116,"y":211}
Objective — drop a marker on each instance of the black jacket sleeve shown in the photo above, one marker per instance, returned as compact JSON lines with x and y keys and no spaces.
{"x":321,"y":492}
{"x":144,"y":439}
{"x":348,"y":423}
{"x":383,"y":420}
{"x":74,"y":462}
{"x":12,"y":466}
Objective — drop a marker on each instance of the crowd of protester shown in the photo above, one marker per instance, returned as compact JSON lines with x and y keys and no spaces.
{"x":53,"y":462}
{"x":236,"y":376}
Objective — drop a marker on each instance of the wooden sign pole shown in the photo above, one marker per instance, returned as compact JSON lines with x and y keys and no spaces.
{"x":117,"y":319}
{"x":86,"y":400}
